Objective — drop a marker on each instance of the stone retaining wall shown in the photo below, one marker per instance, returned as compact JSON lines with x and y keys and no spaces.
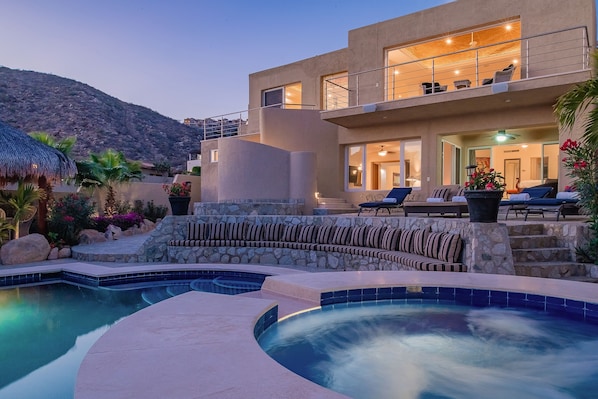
{"x":486,"y":247}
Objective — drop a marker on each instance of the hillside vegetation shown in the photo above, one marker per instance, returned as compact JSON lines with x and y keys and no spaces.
{"x":33,"y":101}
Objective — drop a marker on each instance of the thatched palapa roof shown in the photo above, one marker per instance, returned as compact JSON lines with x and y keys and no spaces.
{"x":21,"y":156}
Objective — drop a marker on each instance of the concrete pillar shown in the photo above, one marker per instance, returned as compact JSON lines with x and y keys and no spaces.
{"x":303,"y":180}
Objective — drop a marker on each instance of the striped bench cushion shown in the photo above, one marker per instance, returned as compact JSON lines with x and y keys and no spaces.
{"x":341,"y":236}
{"x":307,"y":233}
{"x":359,"y":235}
{"x":272,"y":232}
{"x":444,"y":246}
{"x":324,"y":234}
{"x":235,"y":231}
{"x":441,"y":192}
{"x":217,"y":231}
{"x":374,"y":236}
{"x":253,"y":232}
{"x":390,"y":239}
{"x":290,"y":233}
{"x":197,"y":231}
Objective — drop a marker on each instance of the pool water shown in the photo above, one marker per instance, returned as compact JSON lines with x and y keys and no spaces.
{"x":46,"y":330}
{"x":436,"y":351}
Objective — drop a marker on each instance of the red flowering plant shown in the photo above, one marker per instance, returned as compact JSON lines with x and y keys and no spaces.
{"x":489,"y":180}
{"x":581,"y":161}
{"x":178,"y":189}
{"x":68,"y":216}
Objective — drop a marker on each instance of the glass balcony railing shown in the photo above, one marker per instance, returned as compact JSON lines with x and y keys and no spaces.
{"x":553,"y":53}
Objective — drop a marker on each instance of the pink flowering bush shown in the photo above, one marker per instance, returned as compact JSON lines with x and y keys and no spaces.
{"x":485,"y":180}
{"x":123,"y":221}
{"x":581,"y":161}
{"x":68,"y":216}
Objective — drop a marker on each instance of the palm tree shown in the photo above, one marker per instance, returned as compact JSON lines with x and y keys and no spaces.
{"x":577,"y":101}
{"x":65,"y":146}
{"x":104,"y":171}
{"x":22,"y":201}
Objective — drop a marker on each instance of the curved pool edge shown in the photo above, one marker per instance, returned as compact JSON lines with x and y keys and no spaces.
{"x":179,"y":349}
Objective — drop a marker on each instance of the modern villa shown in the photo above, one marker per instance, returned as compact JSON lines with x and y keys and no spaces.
{"x":410,"y":102}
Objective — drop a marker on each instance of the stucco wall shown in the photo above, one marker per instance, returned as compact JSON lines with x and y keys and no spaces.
{"x":303,"y":130}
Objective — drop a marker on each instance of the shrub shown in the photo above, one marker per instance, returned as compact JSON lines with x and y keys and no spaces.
{"x":150,"y":211}
{"x":123,"y":221}
{"x":68,"y":216}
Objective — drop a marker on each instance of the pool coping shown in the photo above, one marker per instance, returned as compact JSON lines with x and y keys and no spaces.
{"x":179,"y":349}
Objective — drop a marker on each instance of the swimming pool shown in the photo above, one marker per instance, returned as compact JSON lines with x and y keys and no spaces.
{"x":430,"y":349}
{"x":47,"y":329}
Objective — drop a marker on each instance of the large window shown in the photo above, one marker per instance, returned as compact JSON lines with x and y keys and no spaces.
{"x":288,"y":97}
{"x":453,"y":62}
{"x":383,"y":165}
{"x":335,"y":91}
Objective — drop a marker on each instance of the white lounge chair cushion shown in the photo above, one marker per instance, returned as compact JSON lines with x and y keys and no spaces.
{"x":390,"y":200}
{"x":458,"y":198}
{"x":567,"y":195}
{"x":433,"y":199}
{"x":519,"y":197}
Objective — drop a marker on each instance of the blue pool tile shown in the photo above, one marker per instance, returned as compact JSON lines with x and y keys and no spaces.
{"x":592,"y":316}
{"x":384,"y":293}
{"x":574,"y":312}
{"x":570,"y":303}
{"x":446,"y":293}
{"x":399,"y":292}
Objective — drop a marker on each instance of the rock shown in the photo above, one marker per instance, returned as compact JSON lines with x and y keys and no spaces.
{"x":30,"y":248}
{"x":113,"y":232}
{"x":64,"y":253}
{"x":90,"y":236}
{"x":53,"y":254}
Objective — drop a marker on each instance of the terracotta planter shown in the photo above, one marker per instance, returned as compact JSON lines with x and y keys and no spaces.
{"x":179,"y":205}
{"x":483,"y":205}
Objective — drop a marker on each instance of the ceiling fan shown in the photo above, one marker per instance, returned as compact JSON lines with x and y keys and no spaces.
{"x":383,"y":152}
{"x":501,"y":136}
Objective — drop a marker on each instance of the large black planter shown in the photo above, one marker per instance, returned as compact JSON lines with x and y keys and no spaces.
{"x":483,"y":205}
{"x":179,"y":205}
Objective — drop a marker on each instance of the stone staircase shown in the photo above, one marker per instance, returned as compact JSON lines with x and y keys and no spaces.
{"x":331,"y":206}
{"x":536,"y":254}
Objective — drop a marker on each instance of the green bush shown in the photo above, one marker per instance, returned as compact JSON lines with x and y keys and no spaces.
{"x":196,"y":171}
{"x":149,"y":210}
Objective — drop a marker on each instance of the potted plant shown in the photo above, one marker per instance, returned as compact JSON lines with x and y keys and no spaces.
{"x":483,"y":192}
{"x":179,"y":196}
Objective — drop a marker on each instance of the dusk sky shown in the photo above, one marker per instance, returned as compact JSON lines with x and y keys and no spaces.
{"x":181,"y":58}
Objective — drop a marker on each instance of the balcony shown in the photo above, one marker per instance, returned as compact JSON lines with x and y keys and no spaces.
{"x":537,"y":68}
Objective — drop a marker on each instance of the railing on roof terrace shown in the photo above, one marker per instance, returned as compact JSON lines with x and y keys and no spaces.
{"x":553,"y":53}
{"x":237,"y":123}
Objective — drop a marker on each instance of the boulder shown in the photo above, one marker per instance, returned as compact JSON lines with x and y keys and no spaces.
{"x":53,"y":254}
{"x":91,"y":236}
{"x":30,"y":248}
{"x":64,"y":253}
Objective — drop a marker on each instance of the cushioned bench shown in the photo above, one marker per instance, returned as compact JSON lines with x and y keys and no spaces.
{"x":417,"y":249}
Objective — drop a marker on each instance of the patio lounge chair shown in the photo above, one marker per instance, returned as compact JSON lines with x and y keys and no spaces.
{"x":443,"y":200}
{"x":429,"y":88}
{"x":519,"y":202}
{"x":394,"y":199}
{"x":565,"y":203}
{"x":501,"y":76}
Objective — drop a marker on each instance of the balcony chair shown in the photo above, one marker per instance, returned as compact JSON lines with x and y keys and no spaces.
{"x":501,"y":76}
{"x":429,"y":88}
{"x":394,"y":199}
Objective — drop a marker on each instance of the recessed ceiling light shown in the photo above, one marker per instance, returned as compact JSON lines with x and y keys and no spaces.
{"x":508,"y":27}
{"x":448,"y":40}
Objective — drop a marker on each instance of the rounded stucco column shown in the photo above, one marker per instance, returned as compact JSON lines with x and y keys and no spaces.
{"x":303,"y":180}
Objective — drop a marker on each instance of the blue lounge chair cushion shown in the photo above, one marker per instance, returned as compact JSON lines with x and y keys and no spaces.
{"x":398,"y":195}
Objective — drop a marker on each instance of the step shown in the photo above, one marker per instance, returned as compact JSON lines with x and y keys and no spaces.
{"x":525,"y":229}
{"x":332,"y":211}
{"x":560,"y":270}
{"x":325,"y":200}
{"x":532,"y":241}
{"x":541,"y":255}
